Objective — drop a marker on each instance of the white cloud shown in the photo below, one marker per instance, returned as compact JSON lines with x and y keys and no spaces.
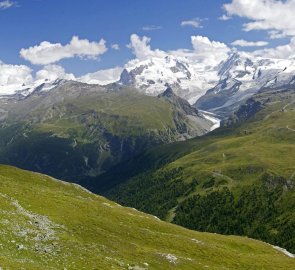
{"x":7,"y":4}
{"x":204,"y":50}
{"x":151,"y":27}
{"x":276,"y":17}
{"x":141,"y":47}
{"x":269,"y":15}
{"x":274,"y":34}
{"x":115,"y":47}
{"x":203,"y":44}
{"x":47,"y":53}
{"x":245,"y":43}
{"x":14,"y":74}
{"x":224,"y":18}
{"x":283,"y":52}
{"x":102,"y":77}
{"x":196,"y":23}
{"x":53,"y":72}
{"x":207,"y":51}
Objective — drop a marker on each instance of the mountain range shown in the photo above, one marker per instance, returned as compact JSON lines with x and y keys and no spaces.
{"x":209,"y":148}
{"x":217,"y":88}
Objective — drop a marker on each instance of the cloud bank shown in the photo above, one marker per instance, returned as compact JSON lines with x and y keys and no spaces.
{"x":14,"y":74}
{"x":245,"y":43}
{"x":276,"y":17}
{"x":48,"y":53}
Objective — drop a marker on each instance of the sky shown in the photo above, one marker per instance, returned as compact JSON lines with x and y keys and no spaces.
{"x":78,"y":37}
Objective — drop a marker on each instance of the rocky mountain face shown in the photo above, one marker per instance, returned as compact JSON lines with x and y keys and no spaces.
{"x":220,"y":89}
{"x":261,"y":100}
{"x":241,"y":76}
{"x":189,"y":80}
{"x":77,"y":130}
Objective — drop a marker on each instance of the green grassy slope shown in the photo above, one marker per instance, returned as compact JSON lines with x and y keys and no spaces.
{"x":49,"y":224}
{"x":238,"y":180}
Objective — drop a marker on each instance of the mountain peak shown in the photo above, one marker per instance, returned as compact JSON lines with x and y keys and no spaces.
{"x":125,"y":77}
{"x":168,"y":93}
{"x":178,"y":102}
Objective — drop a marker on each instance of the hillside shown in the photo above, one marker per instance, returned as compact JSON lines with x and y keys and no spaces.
{"x":77,"y":131}
{"x":49,"y":224}
{"x":236,"y":180}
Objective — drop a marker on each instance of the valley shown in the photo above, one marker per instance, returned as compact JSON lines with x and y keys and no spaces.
{"x":238,"y":179}
{"x":78,"y":131}
{"x":147,"y":135}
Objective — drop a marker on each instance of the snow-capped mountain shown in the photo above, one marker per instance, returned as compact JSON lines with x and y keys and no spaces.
{"x":233,"y":80}
{"x":24,"y":90}
{"x":219,"y":88}
{"x":189,"y":80}
{"x":242,"y":75}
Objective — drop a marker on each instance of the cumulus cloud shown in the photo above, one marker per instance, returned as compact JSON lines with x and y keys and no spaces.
{"x":141,"y":47}
{"x":151,"y":27}
{"x":195,"y":22}
{"x":102,"y":77}
{"x":53,"y":72}
{"x":269,"y":15}
{"x":245,"y":43}
{"x":283,"y":52}
{"x":204,"y":50}
{"x":212,"y":52}
{"x":14,"y":74}
{"x":7,"y":4}
{"x":273,"y":16}
{"x":115,"y":47}
{"x":48,"y":53}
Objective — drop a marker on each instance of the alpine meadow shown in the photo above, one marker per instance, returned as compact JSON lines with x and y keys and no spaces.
{"x":144,"y":135}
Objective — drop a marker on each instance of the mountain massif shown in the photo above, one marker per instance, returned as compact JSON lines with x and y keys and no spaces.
{"x":77,"y":131}
{"x":218,"y":88}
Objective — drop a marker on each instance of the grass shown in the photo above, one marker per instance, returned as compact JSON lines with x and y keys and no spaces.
{"x":49,"y":224}
{"x":254,"y":156}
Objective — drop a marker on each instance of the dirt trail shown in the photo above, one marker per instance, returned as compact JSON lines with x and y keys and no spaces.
{"x":291,"y":129}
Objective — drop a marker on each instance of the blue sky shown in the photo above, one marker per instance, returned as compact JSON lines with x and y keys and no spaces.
{"x":27,"y":23}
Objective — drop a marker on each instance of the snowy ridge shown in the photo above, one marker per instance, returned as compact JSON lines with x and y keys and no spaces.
{"x":255,"y":73}
{"x":236,"y":78}
{"x":241,"y":75}
{"x":152,"y":76}
{"x":25,"y":90}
